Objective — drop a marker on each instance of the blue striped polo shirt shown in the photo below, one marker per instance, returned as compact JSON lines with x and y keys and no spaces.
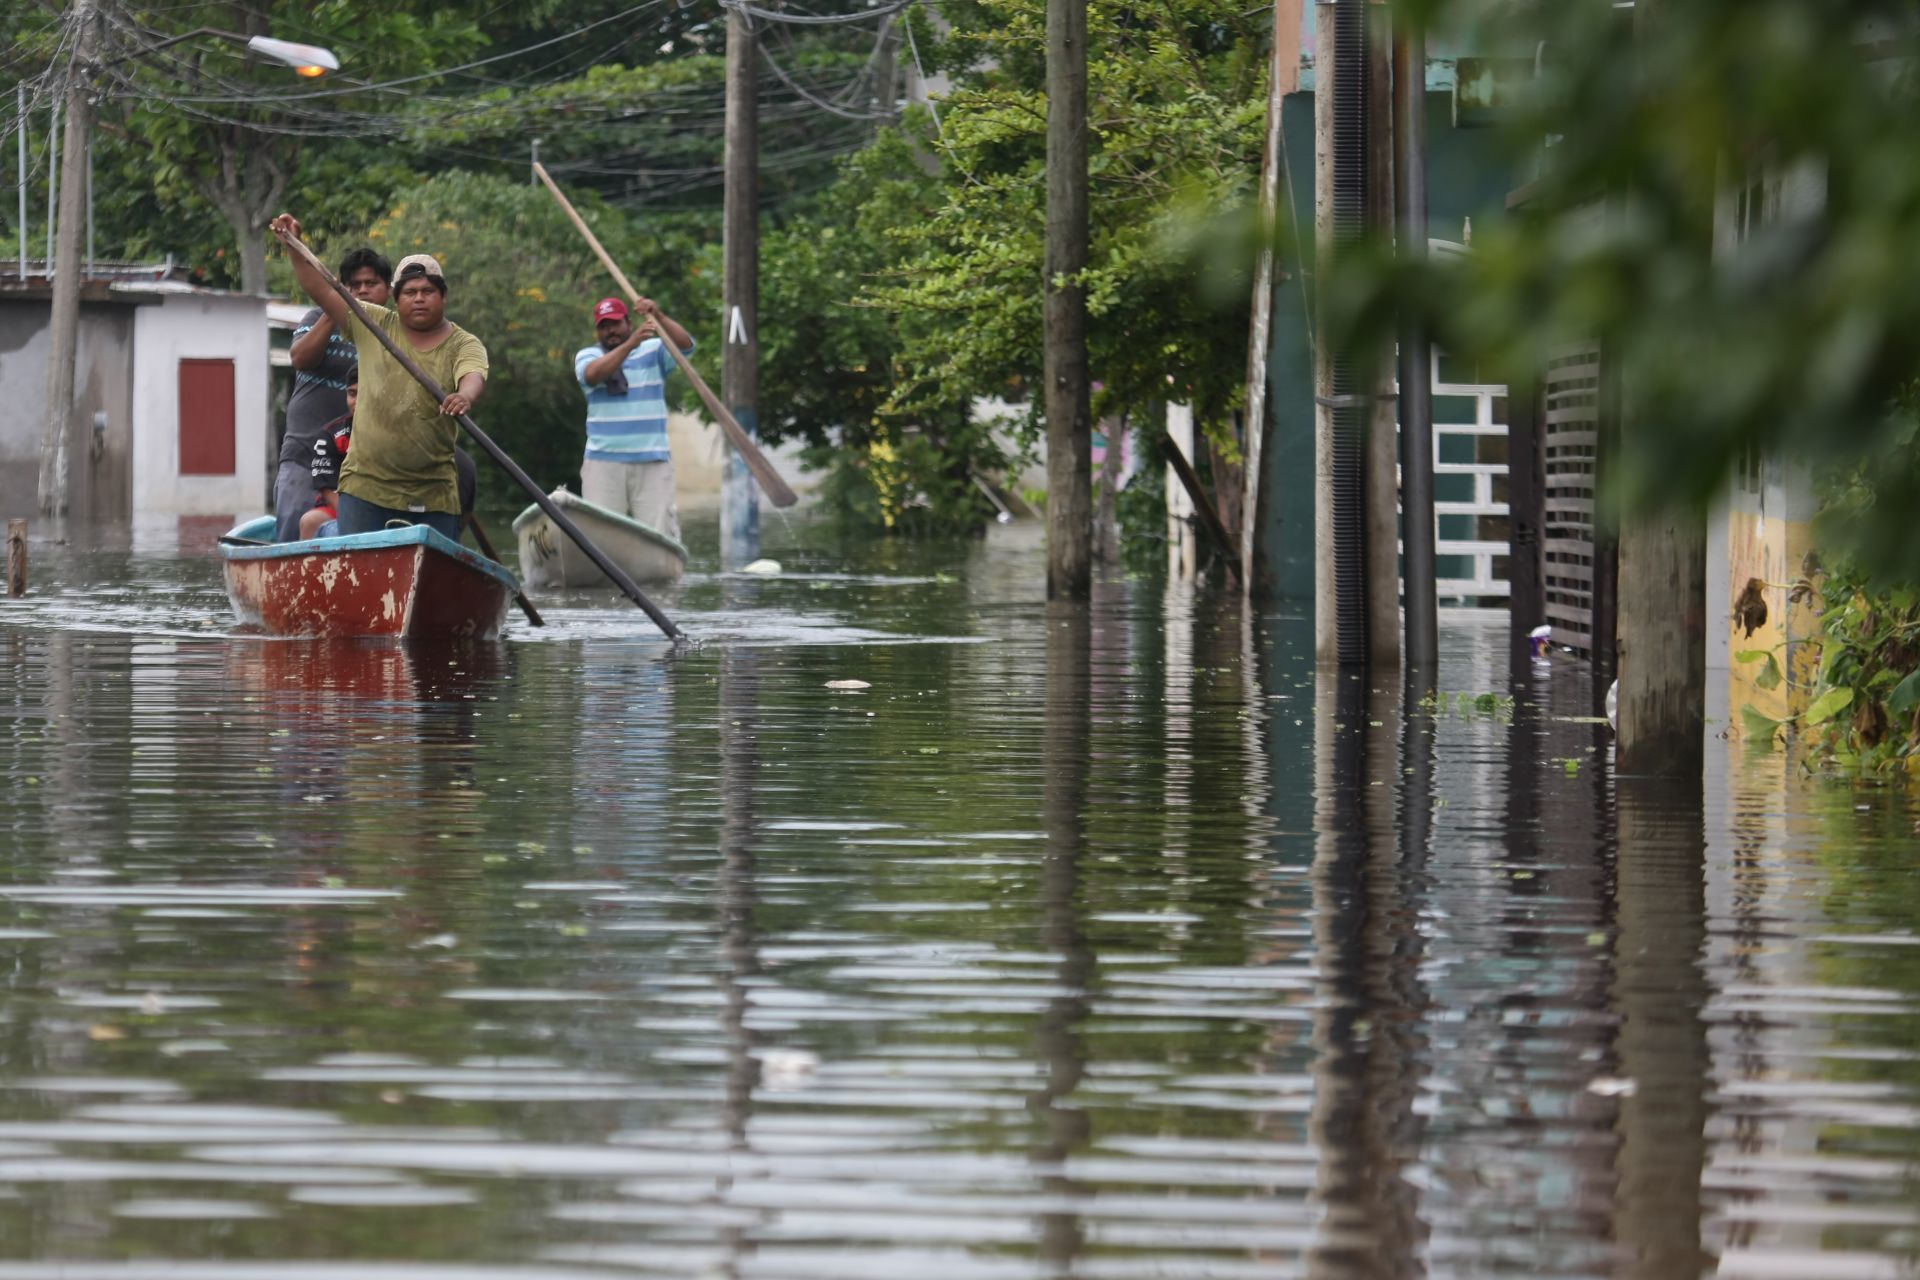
{"x":630,"y":427}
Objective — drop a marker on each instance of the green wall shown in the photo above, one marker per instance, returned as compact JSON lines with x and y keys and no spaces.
{"x":1468,"y":175}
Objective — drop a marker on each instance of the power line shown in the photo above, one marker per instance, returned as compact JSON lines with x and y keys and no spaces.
{"x":814,"y":20}
{"x":436,"y":74}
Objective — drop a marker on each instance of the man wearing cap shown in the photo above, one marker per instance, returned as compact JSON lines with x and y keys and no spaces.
{"x":628,"y":467}
{"x":323,"y":364}
{"x":401,"y":466}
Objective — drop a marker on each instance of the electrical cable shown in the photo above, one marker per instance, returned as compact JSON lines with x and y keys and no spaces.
{"x":803,"y":20}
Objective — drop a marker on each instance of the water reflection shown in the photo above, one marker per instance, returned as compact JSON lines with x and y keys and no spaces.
{"x":1104,"y":943}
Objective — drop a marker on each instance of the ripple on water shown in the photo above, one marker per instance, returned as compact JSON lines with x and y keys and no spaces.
{"x":1127,"y":951}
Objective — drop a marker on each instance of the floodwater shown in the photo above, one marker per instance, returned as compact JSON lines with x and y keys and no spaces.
{"x":1111,"y":945}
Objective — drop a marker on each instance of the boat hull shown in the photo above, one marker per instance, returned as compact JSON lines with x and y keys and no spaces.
{"x":412,"y":583}
{"x":549,"y":559}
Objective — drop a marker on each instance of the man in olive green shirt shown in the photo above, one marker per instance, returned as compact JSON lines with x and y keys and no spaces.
{"x":401,"y":465}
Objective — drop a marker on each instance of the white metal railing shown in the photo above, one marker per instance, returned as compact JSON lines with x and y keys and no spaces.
{"x":1483,"y":587}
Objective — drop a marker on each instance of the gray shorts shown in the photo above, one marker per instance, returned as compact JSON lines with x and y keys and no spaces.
{"x":642,"y":491}
{"x":293,"y":495}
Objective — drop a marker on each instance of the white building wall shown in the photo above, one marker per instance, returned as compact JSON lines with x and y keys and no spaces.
{"x":199,"y":326}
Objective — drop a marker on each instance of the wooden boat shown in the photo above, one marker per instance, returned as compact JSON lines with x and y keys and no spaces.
{"x":409,"y":582}
{"x":549,"y":558}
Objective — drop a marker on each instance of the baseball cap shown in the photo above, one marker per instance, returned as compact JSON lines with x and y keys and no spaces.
{"x":609,"y":309}
{"x":425,"y":261}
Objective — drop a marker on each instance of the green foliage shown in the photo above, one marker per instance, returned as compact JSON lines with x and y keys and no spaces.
{"x":1727,"y":199}
{"x":1176,"y":113}
{"x":1868,"y":694}
{"x":1864,"y":711}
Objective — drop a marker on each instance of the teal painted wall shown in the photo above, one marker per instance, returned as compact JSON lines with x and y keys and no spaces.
{"x":1468,"y":176}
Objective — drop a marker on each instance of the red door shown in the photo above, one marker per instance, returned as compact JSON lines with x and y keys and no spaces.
{"x":206,"y":417}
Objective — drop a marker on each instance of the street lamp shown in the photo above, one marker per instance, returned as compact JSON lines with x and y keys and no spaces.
{"x":63,"y":323}
{"x":308,"y":60}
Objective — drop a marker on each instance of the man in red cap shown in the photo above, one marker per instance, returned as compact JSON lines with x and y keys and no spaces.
{"x":628,"y":467}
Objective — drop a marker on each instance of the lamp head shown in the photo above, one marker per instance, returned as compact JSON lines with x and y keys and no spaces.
{"x":308,"y":60}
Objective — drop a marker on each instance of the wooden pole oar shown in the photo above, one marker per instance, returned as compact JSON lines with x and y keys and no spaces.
{"x":613,"y":571}
{"x":486,"y":549}
{"x":1216,"y":528}
{"x":777,"y":490}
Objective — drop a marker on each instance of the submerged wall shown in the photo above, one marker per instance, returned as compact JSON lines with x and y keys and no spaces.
{"x":99,"y":462}
{"x":200,"y":326}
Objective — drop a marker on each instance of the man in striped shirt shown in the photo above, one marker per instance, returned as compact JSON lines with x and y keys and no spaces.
{"x":629,"y":468}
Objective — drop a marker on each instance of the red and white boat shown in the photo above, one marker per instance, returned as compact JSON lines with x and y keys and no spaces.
{"x":409,"y":582}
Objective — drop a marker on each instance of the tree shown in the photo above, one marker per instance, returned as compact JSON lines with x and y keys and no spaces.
{"x":213,"y":124}
{"x":1176,"y":118}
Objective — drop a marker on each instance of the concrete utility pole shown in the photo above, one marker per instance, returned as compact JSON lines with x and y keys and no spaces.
{"x":1662,"y":647}
{"x":1068,"y":405}
{"x":740,"y":357}
{"x":20,"y":112}
{"x":1660,"y":628}
{"x":64,"y":323}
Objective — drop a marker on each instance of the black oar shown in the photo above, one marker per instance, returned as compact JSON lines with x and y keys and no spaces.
{"x":554,"y":513}
{"x":486,"y":549}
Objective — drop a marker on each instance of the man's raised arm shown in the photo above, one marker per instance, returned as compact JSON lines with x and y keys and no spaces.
{"x":311,"y":278}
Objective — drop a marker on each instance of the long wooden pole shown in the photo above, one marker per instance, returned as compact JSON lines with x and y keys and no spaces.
{"x":1203,"y":505}
{"x":771,"y":484}
{"x":613,"y":571}
{"x":486,"y":549}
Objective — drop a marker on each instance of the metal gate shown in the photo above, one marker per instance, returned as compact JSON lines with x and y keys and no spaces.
{"x":1570,"y":437}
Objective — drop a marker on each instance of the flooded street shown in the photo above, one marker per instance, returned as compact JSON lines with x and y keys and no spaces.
{"x":1111,"y":945}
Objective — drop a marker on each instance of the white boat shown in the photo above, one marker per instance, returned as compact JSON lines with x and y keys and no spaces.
{"x":550,"y":559}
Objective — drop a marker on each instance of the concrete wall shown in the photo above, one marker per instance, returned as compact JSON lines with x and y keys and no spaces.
{"x":208,"y":326}
{"x":1760,"y":532}
{"x":99,"y":462}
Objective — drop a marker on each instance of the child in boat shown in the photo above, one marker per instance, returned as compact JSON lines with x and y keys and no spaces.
{"x":330,"y":450}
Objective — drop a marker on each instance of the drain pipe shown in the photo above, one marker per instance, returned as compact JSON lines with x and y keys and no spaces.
{"x":1416,"y":386}
{"x":1341,"y":391}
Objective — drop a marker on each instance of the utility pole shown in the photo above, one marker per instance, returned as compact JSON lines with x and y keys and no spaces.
{"x":740,"y":371}
{"x":1416,"y":385}
{"x":1068,"y":395}
{"x":64,"y":323}
{"x":20,"y":113}
{"x":740,"y":357}
{"x":1283,"y":78}
{"x":886,"y":61}
{"x":1660,"y":624}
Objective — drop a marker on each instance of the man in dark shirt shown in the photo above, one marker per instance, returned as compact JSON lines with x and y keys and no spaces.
{"x":322,"y":359}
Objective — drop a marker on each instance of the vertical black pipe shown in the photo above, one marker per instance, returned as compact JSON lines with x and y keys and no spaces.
{"x":1605,"y":602}
{"x":1526,"y":519}
{"x":1416,"y":387}
{"x":1351,"y":406}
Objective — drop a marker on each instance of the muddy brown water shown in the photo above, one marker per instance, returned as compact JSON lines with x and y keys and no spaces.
{"x":1109,"y":944}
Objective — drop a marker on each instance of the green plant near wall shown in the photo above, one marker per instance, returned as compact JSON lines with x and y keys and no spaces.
{"x":1865,"y":707}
